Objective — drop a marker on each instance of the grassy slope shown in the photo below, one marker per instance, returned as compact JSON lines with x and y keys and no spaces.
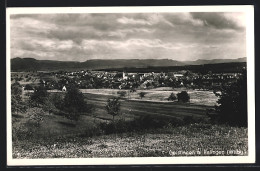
{"x":179,"y":141}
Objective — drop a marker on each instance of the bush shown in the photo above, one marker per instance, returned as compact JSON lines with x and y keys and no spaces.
{"x":94,"y":131}
{"x":132,"y":90}
{"x":183,"y":97}
{"x":148,"y":122}
{"x":190,"y":119}
{"x":118,"y":126}
{"x":142,"y":94}
{"x":17,"y":104}
{"x":142,"y":123}
{"x":172,"y":97}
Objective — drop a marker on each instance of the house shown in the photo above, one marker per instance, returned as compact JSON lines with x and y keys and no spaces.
{"x":125,"y":77}
{"x":178,"y":75}
{"x":64,"y":88}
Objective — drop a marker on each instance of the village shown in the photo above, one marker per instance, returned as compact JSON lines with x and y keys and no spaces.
{"x":123,"y":80}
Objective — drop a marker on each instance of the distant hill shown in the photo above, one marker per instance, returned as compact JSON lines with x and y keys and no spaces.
{"x":31,"y":64}
{"x":121,"y":63}
{"x":214,"y":61}
{"x":231,"y":67}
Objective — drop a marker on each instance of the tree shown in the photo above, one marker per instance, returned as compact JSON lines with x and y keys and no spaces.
{"x":57,"y":100}
{"x":39,"y":97}
{"x":17,"y":104}
{"x":36,"y":117}
{"x":28,"y":87}
{"x":172,"y":97}
{"x":74,"y":103}
{"x":142,"y":94}
{"x":49,"y":106}
{"x":183,"y":97}
{"x":232,"y":102}
{"x":113,"y":106}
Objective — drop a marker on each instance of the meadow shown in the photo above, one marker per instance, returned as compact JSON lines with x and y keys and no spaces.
{"x":160,"y":95}
{"x":191,"y":140}
{"x":133,"y":107}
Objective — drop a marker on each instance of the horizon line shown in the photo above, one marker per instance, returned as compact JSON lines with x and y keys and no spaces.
{"x":128,"y":59}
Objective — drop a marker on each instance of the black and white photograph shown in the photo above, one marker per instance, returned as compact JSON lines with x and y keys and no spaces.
{"x":130,"y":85}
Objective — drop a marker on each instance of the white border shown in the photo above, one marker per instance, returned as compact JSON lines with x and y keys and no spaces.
{"x":248,"y":9}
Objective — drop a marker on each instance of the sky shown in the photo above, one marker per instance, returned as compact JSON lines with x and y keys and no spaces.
{"x":81,"y":37}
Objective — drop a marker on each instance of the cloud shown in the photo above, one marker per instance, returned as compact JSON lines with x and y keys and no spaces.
{"x":79,"y":37}
{"x":217,"y":20}
{"x":124,"y":32}
{"x":125,"y":20}
{"x":182,"y":19}
{"x":154,"y":43}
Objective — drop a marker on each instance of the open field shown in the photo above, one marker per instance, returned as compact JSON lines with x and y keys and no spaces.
{"x":154,"y":103}
{"x":160,"y":95}
{"x":130,"y":108}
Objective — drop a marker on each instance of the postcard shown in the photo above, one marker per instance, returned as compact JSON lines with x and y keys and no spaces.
{"x":130,"y":85}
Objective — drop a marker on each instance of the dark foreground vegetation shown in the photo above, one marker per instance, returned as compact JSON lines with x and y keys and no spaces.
{"x":142,"y":137}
